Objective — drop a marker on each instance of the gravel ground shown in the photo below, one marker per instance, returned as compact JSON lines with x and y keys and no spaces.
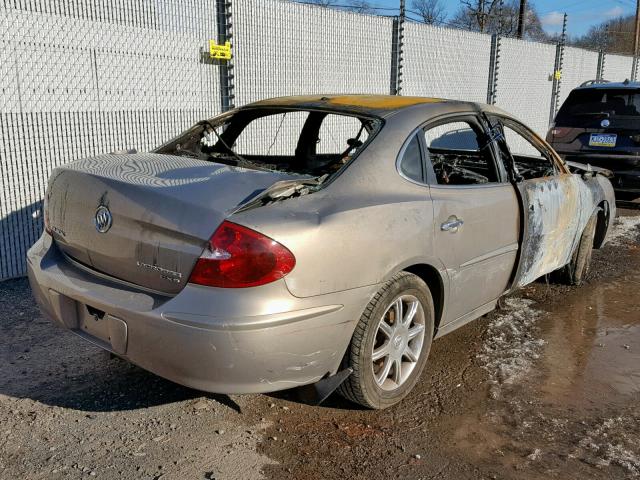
{"x":548,"y":387}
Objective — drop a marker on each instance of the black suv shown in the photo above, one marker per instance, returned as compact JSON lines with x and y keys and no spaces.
{"x":599,"y":124}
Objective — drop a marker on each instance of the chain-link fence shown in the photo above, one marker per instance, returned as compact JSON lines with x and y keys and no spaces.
{"x":524,"y":81}
{"x":83,"y":77}
{"x":445,"y":63}
{"x":617,"y":67}
{"x":579,"y":66}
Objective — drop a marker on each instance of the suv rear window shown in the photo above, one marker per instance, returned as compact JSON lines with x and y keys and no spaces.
{"x":584,"y":108}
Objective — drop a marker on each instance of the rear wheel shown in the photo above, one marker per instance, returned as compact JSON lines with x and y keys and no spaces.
{"x":576,"y":271}
{"x":391,"y":343}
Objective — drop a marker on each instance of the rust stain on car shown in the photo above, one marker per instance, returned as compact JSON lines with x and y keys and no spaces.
{"x":372,"y":102}
{"x":381,"y":101}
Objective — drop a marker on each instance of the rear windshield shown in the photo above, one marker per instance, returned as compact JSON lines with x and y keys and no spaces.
{"x":306,"y":142}
{"x":589,"y":106}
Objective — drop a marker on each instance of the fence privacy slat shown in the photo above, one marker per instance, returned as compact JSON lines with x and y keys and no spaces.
{"x":80,"y":78}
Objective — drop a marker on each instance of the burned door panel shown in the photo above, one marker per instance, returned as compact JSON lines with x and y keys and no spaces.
{"x":556,"y":210}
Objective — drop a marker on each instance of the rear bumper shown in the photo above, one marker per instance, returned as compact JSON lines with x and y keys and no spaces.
{"x":219,"y":340}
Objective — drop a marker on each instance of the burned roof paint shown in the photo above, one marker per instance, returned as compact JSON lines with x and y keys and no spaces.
{"x":381,"y":102}
{"x":364,"y":103}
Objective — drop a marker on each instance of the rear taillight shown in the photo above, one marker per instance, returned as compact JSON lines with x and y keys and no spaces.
{"x":560,"y":131}
{"x":239,"y":257}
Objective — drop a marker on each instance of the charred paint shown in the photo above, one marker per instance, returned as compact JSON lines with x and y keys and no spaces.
{"x":370,"y":103}
{"x":557,"y":211}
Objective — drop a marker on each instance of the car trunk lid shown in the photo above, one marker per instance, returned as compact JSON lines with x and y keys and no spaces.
{"x":163,"y":209}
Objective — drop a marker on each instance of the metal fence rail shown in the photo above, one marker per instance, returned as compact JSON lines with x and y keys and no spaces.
{"x":83,"y":77}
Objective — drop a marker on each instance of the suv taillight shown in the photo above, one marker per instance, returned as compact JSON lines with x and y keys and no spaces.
{"x":560,"y":131}
{"x":238,"y":257}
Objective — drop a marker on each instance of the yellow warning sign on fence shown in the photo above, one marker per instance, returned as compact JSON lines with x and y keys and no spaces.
{"x":558,"y":74}
{"x":220,"y":52}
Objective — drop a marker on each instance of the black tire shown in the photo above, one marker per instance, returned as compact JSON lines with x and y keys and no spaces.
{"x":361,"y":386}
{"x":577,"y":269}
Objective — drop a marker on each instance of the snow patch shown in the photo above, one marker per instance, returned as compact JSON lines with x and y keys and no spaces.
{"x":610,"y":444}
{"x":509,"y":349}
{"x":623,"y":229}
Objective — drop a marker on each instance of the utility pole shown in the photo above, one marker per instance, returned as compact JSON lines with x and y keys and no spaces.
{"x":521,"y":15}
{"x":637,"y":33}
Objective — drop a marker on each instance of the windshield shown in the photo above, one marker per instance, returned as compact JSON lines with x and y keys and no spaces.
{"x":590,"y":106}
{"x":304,"y":142}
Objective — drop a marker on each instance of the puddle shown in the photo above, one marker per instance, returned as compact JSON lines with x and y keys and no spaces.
{"x":569,"y":401}
{"x":591,"y":354}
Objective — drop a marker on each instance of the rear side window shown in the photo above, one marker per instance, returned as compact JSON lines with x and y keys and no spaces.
{"x":337,"y":133}
{"x":460,"y":154}
{"x":587,"y":107}
{"x":296,"y":141}
{"x":411,"y":162}
{"x":271,"y":135}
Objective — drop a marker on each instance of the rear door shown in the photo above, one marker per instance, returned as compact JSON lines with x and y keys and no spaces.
{"x":476,"y":213}
{"x":550,"y":197}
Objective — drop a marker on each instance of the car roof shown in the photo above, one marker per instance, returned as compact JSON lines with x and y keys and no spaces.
{"x":376,"y":105}
{"x":604,"y":85}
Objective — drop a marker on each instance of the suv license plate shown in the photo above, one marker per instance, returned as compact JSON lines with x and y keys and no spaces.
{"x":603,"y":140}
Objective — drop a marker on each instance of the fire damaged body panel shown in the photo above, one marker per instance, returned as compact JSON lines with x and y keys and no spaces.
{"x":557,"y":211}
{"x":123,"y":233}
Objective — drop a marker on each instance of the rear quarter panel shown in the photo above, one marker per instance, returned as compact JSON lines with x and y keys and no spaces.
{"x":359,"y":230}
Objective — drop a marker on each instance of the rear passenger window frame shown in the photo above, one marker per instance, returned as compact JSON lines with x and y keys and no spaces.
{"x":425,"y":174}
{"x":471,"y":118}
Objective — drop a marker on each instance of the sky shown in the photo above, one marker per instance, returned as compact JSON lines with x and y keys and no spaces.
{"x":582,"y":14}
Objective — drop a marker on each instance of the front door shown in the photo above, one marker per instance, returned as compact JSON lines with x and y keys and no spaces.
{"x":550,"y":196}
{"x":476,"y":214}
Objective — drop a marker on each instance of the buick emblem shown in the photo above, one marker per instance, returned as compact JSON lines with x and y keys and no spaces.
{"x":605,"y":123}
{"x":103,"y":219}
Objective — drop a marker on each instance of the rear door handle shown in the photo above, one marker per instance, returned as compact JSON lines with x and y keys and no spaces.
{"x":452,"y":224}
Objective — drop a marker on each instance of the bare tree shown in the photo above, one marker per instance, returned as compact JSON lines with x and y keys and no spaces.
{"x":359,"y":6}
{"x":615,"y":35}
{"x":498,"y":16}
{"x":432,"y":12}
{"x":476,"y":13}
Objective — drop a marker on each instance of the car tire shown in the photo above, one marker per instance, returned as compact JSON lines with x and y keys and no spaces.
{"x":577,"y":269}
{"x":406,"y":343}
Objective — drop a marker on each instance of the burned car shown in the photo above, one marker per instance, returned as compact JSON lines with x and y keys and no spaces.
{"x":305,"y":240}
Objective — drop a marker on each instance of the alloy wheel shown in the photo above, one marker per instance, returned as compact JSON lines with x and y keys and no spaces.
{"x":398,"y":343}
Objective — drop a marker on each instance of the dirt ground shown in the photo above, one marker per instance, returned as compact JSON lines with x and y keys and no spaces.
{"x":547,"y":387}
